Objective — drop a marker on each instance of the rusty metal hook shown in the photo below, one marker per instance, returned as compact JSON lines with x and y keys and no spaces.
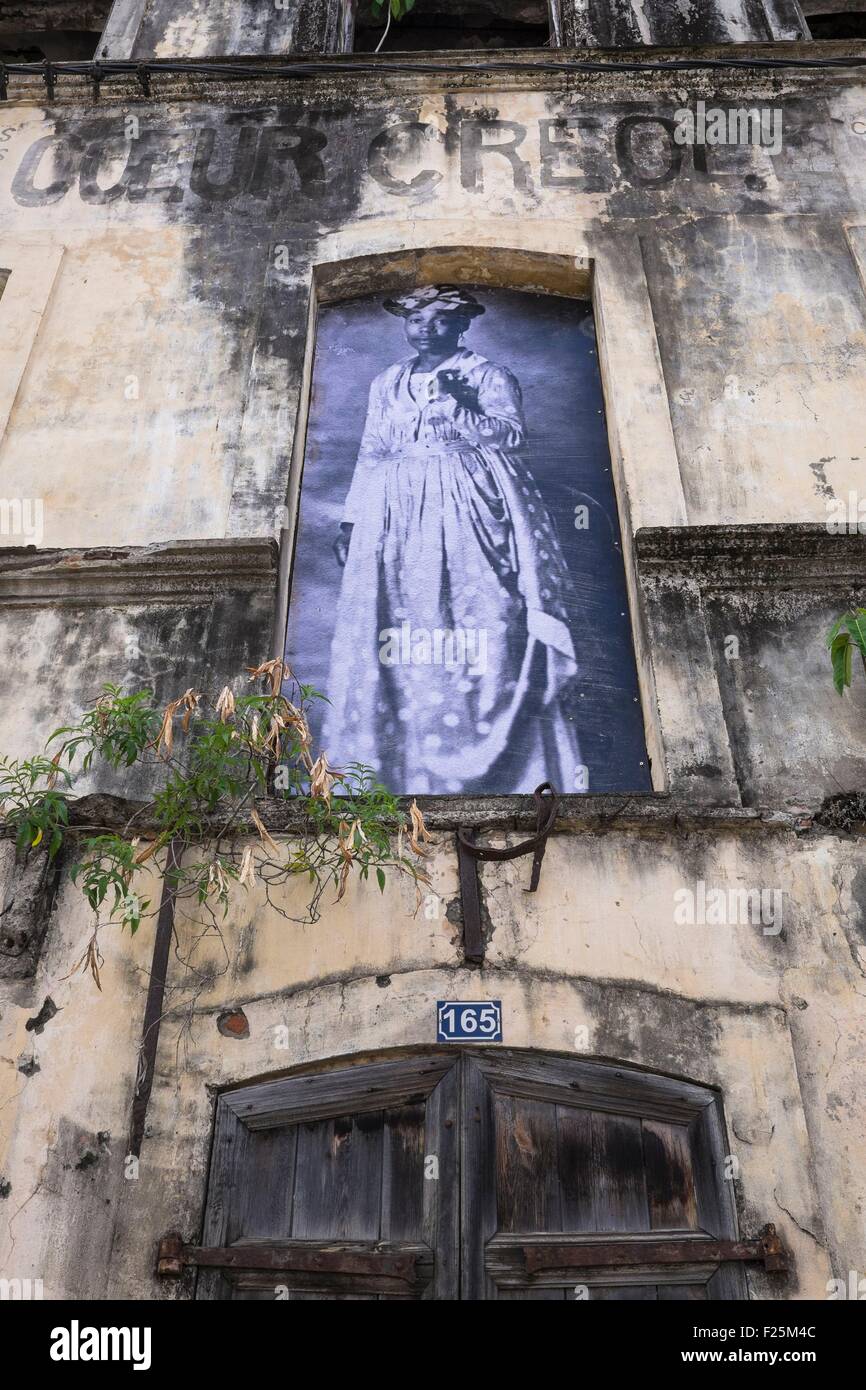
{"x":468,"y":853}
{"x":547,"y":804}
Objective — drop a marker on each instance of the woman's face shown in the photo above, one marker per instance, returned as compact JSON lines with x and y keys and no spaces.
{"x":432,"y":329}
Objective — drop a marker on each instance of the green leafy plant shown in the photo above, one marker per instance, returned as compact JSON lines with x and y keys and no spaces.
{"x":393,"y":9}
{"x":36,"y":811}
{"x":847,"y":635}
{"x":213,"y":758}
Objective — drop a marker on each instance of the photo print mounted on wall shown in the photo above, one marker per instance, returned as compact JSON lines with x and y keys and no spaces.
{"x":458,"y":589}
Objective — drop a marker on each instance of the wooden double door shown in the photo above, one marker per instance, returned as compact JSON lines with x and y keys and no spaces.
{"x":468,"y":1174}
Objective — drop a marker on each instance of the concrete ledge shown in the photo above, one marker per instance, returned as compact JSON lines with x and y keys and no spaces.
{"x":643,"y":811}
{"x":518,"y":69}
{"x":176,"y":571}
{"x":732,"y":557}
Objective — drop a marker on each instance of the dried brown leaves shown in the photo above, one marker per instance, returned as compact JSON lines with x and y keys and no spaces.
{"x":276,"y":671}
{"x":419,"y":835}
{"x":264,"y":835}
{"x":322,"y":779}
{"x":225,"y":705}
{"x":188,"y":702}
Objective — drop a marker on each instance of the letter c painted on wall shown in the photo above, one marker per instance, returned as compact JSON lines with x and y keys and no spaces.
{"x":396,"y":142}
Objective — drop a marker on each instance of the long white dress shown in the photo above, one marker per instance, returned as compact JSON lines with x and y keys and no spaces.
{"x":451,"y":536}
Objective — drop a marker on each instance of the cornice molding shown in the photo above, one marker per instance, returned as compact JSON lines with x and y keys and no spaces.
{"x":322,"y":77}
{"x":652,"y":813}
{"x":747,"y":557}
{"x":172,"y":572}
{"x":795,"y":555}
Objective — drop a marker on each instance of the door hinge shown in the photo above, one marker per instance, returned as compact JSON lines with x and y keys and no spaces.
{"x":767,"y":1250}
{"x":405,"y":1266}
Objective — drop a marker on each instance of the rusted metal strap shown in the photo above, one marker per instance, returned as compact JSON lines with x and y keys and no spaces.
{"x":468,"y":853}
{"x":470,"y":898}
{"x":766,"y":1250}
{"x":547,"y":803}
{"x":282,"y":1257}
{"x":153,"y":1008}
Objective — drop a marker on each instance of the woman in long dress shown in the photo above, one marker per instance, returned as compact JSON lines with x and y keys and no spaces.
{"x":451,"y":653}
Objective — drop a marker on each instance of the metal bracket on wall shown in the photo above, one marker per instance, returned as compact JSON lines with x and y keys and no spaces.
{"x":468,"y":854}
{"x":153,"y":1009}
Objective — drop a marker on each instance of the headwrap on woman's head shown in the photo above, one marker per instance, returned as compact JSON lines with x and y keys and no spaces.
{"x":450,"y":297}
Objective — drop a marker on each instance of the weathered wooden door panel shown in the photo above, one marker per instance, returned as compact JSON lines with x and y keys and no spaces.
{"x":486,"y":1174}
{"x":527,"y":1171}
{"x":285,"y":1169}
{"x":338,"y":1178}
{"x":560,"y":1147}
{"x":670,"y":1179}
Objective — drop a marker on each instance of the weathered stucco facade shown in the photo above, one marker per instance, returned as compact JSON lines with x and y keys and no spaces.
{"x":166,"y":252}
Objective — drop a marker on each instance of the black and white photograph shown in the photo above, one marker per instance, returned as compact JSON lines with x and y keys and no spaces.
{"x":432,"y":674}
{"x":459,"y":545}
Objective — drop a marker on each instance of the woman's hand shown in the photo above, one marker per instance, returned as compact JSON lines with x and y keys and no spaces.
{"x":341,"y":544}
{"x":451,"y":383}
